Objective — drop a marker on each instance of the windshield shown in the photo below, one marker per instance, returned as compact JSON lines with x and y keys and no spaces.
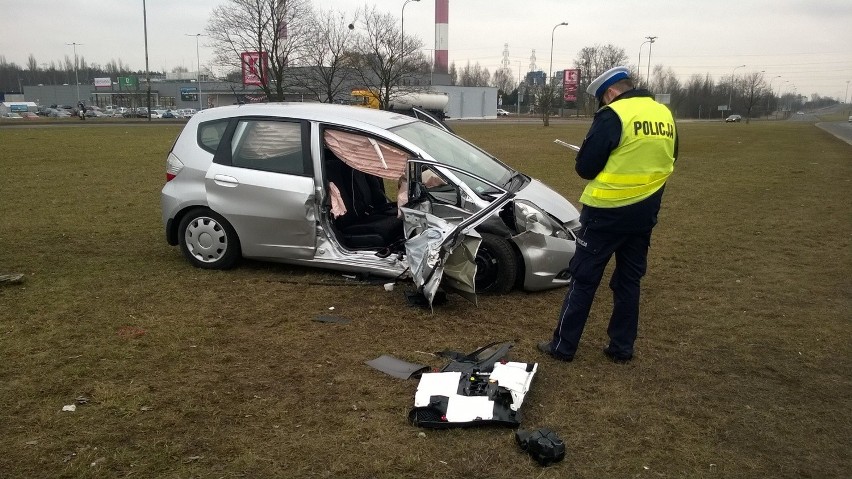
{"x":451,"y":150}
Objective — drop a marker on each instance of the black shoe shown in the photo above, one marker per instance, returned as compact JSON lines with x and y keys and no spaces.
{"x":545,"y":347}
{"x":618,"y":358}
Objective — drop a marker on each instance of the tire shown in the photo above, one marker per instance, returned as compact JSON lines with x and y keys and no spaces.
{"x":496,"y":265}
{"x":208,"y":241}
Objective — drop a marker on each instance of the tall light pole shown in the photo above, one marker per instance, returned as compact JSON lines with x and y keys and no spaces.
{"x":77,"y":78}
{"x":648,"y":76}
{"x":639,"y":63}
{"x":147,"y":70}
{"x":770,"y":93}
{"x":402,"y":27}
{"x":847,"y":91}
{"x":197,"y":73}
{"x":731,"y":93}
{"x":550,"y":72}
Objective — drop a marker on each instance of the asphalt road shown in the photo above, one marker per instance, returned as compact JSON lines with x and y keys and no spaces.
{"x":842,"y":130}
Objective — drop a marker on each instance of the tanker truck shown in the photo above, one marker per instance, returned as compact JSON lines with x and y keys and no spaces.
{"x":402,"y":102}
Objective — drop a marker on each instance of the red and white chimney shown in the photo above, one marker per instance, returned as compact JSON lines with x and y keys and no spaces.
{"x":442,"y":9}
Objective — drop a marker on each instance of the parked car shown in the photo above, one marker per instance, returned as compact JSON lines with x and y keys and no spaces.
{"x":168,"y":114}
{"x":11,"y":115}
{"x":59,"y":113}
{"x":29,"y":115}
{"x":502,"y":112}
{"x":850,"y":118}
{"x":305,"y":184}
{"x":733,"y":119}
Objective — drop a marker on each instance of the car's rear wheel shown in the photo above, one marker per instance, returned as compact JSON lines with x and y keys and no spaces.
{"x":496,"y":265}
{"x":208,"y":241}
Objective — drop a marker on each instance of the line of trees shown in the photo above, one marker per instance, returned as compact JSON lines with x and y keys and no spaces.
{"x":13,"y":76}
{"x":322,"y":53}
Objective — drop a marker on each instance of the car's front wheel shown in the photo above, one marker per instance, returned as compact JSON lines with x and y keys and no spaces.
{"x":208,"y":241}
{"x":496,"y":265}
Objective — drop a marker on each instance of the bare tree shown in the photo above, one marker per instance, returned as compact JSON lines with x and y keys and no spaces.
{"x":754,"y":87}
{"x":454,"y":74}
{"x":474,"y":75}
{"x":32,"y":64}
{"x":277,"y":28}
{"x":384,"y":61}
{"x":503,"y":80}
{"x":593,"y":61}
{"x":328,"y":56}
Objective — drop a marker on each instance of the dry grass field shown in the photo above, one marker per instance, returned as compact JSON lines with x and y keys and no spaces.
{"x":743,"y":366}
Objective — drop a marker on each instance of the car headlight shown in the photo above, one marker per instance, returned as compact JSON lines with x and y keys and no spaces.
{"x":529,"y":217}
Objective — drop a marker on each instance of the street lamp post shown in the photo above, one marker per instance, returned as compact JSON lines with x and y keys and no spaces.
{"x":147,"y":69}
{"x":648,"y":76}
{"x":780,"y":94}
{"x":197,"y":73}
{"x":402,"y":27}
{"x":77,"y":78}
{"x":639,"y":63}
{"x":550,"y":73}
{"x":770,"y":94}
{"x":847,"y":91}
{"x":731,"y":93}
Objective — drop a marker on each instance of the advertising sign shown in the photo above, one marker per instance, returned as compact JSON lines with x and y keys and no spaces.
{"x":103,"y":82}
{"x":18,"y":107}
{"x":570,"y":81}
{"x":255,"y":66}
{"x":189,"y":93}
{"x":128,"y":82}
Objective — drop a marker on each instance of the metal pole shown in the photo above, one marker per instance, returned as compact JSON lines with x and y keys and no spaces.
{"x":518,"y":96}
{"x":847,"y":92}
{"x":639,"y":63}
{"x":731,"y":93}
{"x":770,"y":94}
{"x":147,"y":71}
{"x":76,"y":77}
{"x":198,"y":65}
{"x":402,"y":28}
{"x":648,"y":76}
{"x":550,"y":72}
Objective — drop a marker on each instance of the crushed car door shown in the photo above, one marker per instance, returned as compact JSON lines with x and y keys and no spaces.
{"x":262,"y":181}
{"x":442,"y":248}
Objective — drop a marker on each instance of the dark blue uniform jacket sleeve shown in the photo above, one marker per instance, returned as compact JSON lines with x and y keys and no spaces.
{"x":603,"y":137}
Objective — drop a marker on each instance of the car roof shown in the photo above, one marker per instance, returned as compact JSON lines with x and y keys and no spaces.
{"x":322,"y":112}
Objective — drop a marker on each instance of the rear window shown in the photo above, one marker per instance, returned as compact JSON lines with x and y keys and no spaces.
{"x":268,"y":145}
{"x":210,"y":134}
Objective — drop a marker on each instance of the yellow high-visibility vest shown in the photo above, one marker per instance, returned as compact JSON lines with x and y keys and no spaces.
{"x":643,"y":159}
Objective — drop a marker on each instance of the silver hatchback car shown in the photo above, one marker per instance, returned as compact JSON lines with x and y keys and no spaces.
{"x":361,"y":190}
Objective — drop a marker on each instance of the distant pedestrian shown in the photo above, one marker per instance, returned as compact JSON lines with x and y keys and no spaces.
{"x":81,"y":110}
{"x":628,"y":154}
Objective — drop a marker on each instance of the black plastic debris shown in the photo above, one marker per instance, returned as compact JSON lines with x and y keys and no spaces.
{"x":397,"y":367}
{"x":542,"y":444}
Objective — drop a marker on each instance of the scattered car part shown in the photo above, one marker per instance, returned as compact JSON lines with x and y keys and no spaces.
{"x":542,"y":444}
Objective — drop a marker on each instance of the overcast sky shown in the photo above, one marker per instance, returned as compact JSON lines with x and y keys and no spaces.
{"x":807,"y":42}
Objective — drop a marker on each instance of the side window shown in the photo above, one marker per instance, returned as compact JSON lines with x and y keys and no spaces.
{"x":210,"y":134}
{"x":268,"y":145}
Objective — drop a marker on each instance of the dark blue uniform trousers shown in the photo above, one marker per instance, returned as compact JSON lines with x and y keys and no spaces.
{"x":594,"y":250}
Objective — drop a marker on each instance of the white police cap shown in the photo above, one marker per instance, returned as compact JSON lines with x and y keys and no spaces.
{"x":607,"y":79}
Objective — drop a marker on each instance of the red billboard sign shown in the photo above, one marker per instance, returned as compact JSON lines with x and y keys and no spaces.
{"x":255,"y":65}
{"x":570,"y":82}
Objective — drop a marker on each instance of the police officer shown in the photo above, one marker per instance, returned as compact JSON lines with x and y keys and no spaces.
{"x":628,"y":154}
